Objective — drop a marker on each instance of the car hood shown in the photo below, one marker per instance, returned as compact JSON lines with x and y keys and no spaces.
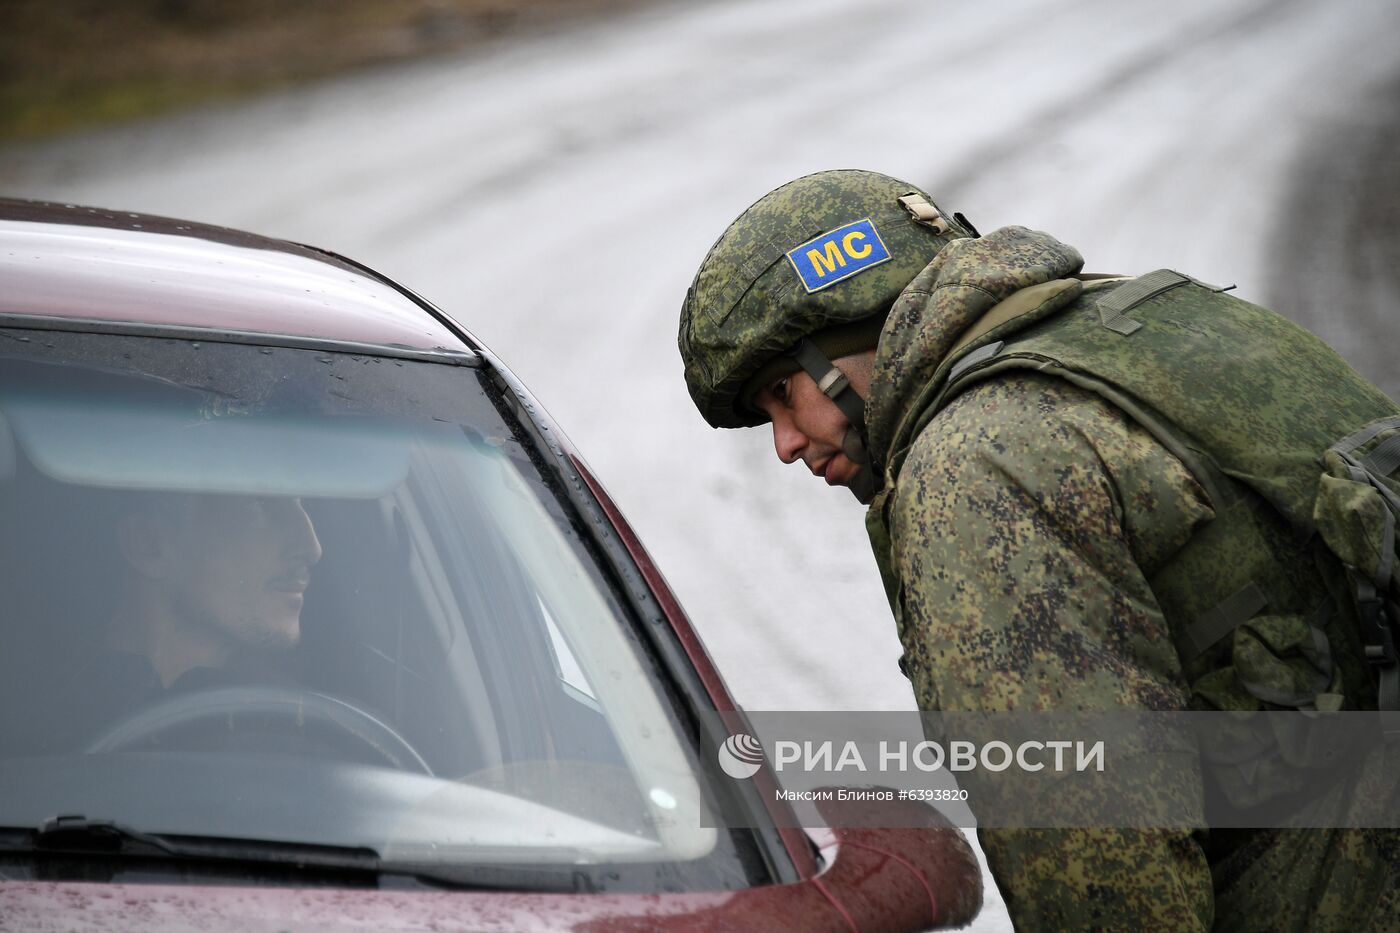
{"x":165,"y":909}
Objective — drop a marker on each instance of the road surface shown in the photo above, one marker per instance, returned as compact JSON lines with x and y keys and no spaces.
{"x":557,"y":193}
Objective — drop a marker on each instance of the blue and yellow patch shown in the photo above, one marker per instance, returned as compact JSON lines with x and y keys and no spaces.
{"x":836,"y":256}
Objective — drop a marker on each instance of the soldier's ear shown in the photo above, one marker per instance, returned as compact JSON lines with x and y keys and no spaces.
{"x":144,"y":541}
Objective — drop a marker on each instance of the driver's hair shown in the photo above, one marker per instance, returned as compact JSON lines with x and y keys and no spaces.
{"x":167,"y":504}
{"x":130,"y":507}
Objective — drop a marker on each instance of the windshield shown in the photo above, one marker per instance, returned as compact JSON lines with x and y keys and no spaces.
{"x":327,"y":598}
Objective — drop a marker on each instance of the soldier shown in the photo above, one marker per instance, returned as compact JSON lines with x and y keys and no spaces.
{"x":1077,"y":502}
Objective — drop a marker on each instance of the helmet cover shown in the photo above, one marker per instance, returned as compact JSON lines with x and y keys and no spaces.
{"x":822,"y":257}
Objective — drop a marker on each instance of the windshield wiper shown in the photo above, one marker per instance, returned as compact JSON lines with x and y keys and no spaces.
{"x":76,"y":835}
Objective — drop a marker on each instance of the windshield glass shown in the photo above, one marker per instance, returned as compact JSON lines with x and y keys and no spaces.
{"x":327,"y":598}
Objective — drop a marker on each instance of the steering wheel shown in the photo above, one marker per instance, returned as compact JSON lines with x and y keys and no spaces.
{"x":285,"y":707}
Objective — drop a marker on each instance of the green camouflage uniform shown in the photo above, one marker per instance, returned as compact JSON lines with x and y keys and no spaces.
{"x":1041,"y":551}
{"x":1073,"y":500}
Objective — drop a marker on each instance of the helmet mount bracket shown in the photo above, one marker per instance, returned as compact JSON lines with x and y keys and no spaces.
{"x":923,"y":212}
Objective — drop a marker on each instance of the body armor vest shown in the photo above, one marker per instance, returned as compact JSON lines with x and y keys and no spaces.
{"x":1269,"y":601}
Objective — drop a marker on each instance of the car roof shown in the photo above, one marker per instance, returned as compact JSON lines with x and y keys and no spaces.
{"x":84,"y":263}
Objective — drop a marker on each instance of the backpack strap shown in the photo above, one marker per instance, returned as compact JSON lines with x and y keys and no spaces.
{"x":1226,"y":616}
{"x":1385,"y":458}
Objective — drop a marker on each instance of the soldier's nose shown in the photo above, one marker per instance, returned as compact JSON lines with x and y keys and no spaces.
{"x":787,"y":440}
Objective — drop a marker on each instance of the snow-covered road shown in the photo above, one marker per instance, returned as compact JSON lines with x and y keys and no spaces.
{"x":558,"y":192}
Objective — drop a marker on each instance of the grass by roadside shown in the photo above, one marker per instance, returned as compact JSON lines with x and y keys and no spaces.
{"x":67,"y":64}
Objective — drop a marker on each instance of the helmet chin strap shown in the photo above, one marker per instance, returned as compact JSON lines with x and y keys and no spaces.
{"x":838,"y":388}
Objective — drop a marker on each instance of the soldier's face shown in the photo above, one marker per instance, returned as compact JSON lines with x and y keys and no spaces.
{"x":808,"y":426}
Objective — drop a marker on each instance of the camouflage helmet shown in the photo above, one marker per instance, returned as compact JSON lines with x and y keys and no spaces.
{"x":822,"y":257}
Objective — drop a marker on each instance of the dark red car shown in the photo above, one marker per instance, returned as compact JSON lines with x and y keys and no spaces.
{"x":313,"y":620}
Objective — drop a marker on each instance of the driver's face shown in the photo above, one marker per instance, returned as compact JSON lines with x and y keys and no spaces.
{"x":241,"y":566}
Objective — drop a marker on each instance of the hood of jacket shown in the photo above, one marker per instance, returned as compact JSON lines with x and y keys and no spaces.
{"x":966,"y":280}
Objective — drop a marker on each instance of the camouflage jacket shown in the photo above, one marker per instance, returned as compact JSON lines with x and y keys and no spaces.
{"x":1041,"y":550}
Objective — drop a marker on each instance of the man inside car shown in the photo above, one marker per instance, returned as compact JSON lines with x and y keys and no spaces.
{"x":208,"y":593}
{"x":211,"y":580}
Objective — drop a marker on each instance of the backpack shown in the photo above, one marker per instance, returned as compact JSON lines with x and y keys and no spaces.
{"x":1355,"y":514}
{"x":1248,"y":401}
